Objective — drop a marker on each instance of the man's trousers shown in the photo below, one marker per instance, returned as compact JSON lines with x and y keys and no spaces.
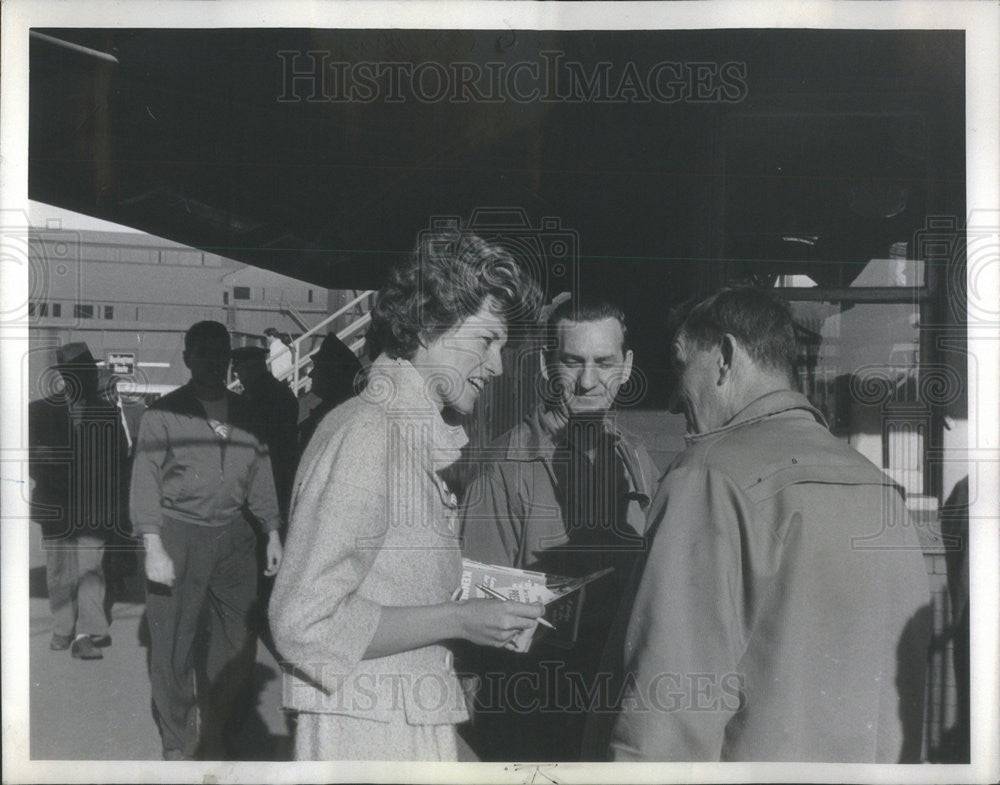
{"x":75,"y":581}
{"x":201,"y":624}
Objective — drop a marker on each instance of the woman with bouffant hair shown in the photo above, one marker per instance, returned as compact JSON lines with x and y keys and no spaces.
{"x":363,"y":606}
{"x":448,"y":278}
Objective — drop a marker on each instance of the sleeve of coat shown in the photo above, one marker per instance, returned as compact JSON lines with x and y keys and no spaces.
{"x":262,"y":498}
{"x":321,"y":625}
{"x":686,"y":634}
{"x":151,"y":447}
{"x":492,"y":524}
{"x":285,"y":456}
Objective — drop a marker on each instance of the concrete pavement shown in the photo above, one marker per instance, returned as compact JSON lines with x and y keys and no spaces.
{"x":100,"y":709}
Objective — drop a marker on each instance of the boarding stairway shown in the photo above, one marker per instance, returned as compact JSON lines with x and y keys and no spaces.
{"x":307,"y":344}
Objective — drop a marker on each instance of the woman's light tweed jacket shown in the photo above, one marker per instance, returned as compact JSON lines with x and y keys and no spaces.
{"x":372,"y":524}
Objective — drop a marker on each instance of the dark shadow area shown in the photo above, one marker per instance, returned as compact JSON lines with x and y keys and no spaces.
{"x":910,"y":683}
{"x":954,"y":746}
{"x":145,"y":642}
{"x":258,"y":612}
{"x":247,"y":736}
{"x":123,"y":575}
{"x":233,"y":727}
{"x":37,"y":587}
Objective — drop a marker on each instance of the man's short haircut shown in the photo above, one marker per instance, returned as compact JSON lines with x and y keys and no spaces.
{"x":202,"y":333}
{"x":446,"y":279}
{"x":584,"y":309}
{"x":761,"y":322}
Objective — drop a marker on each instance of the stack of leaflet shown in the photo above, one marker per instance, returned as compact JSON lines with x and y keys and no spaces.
{"x":562,"y":597}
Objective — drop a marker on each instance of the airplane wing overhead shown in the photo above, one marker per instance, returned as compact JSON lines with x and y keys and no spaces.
{"x":214,"y":138}
{"x":322,"y":153}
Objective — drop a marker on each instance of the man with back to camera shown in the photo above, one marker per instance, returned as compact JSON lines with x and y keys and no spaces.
{"x":199,"y":464}
{"x":567,"y":494}
{"x":779,"y":613}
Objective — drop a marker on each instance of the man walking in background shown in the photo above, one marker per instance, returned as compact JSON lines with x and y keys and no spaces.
{"x":200,"y":464}
{"x":79,"y":455}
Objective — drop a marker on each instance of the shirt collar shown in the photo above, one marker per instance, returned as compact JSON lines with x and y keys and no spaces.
{"x":543,"y":432}
{"x":396,"y":385}
{"x":194,"y":404}
{"x":767,"y":405}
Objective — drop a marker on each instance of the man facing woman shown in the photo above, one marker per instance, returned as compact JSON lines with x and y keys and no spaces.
{"x":363,"y":607}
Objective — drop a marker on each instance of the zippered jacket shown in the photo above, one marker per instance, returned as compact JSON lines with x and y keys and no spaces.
{"x":782,"y":613}
{"x":183,"y":470}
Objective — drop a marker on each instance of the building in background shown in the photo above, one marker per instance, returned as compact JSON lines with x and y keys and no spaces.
{"x":131,"y":297}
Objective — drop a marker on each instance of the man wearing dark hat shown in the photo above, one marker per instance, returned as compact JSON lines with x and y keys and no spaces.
{"x":79,"y":454}
{"x":277,"y":412}
{"x":334,"y":372}
{"x":277,"y":409}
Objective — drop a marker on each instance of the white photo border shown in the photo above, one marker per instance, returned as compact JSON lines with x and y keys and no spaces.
{"x":981,"y":23}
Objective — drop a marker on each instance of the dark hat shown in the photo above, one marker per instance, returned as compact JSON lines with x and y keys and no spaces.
{"x":74,"y":355}
{"x":246,"y":354}
{"x":334,"y":350}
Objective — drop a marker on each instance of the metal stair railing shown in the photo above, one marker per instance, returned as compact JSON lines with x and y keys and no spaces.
{"x":358,"y":344}
{"x":301,"y":356}
{"x":294,"y":314}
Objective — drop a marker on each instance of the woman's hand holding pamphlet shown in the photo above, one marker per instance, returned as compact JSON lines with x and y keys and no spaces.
{"x":562,"y":596}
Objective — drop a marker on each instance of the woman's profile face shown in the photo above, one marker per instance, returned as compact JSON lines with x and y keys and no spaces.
{"x":459,"y":363}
